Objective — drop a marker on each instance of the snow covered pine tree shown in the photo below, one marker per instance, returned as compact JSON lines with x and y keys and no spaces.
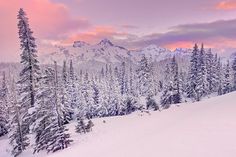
{"x":17,"y":135}
{"x":28,"y":82}
{"x":4,"y":114}
{"x":171,"y":93}
{"x":226,"y":88}
{"x":27,"y":87}
{"x":234,"y":72}
{"x":51,"y":133}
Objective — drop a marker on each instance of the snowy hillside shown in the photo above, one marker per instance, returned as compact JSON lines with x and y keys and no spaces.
{"x":200,"y":129}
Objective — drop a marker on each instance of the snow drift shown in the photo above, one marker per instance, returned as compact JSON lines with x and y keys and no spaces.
{"x":202,"y":129}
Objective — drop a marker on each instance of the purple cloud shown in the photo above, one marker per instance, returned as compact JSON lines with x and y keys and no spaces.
{"x":199,"y":32}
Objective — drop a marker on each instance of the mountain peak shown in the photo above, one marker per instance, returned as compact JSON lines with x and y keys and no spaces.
{"x":106,"y":42}
{"x":155,"y":48}
{"x":80,"y":44}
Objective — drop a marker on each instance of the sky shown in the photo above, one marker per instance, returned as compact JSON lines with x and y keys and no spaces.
{"x":130,"y":23}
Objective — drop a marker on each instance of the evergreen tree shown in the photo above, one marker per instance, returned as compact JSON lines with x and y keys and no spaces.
{"x":234,"y":72}
{"x":226,"y":79}
{"x":197,"y":76}
{"x":80,"y":127}
{"x":89,"y":126}
{"x":144,"y":77}
{"x":64,"y":73}
{"x":210,"y":72}
{"x":166,"y":94}
{"x":171,"y":93}
{"x":59,"y":139}
{"x":87,"y":98}
{"x":216,"y":74}
{"x":65,"y":95}
{"x":72,"y":91}
{"x":201,"y":75}
{"x":4,"y":111}
{"x":131,"y":82}
{"x":28,"y":82}
{"x":45,"y":111}
{"x":175,"y":76}
{"x":17,"y":135}
{"x":51,"y":133}
{"x":122,"y":79}
{"x":151,"y":104}
{"x":113,"y":95}
{"x":191,"y":91}
{"x":219,"y":72}
{"x":84,"y":127}
{"x":97,"y":110}
{"x":182,"y":84}
{"x":152,"y":78}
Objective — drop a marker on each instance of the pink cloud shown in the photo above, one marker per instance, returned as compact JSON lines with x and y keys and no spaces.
{"x":95,"y":34}
{"x":217,"y":43}
{"x":48,"y":20}
{"x":181,"y":44}
{"x":226,"y":5}
{"x":221,"y":43}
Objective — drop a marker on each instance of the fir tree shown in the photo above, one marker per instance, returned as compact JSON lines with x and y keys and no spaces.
{"x":151,"y":104}
{"x":59,"y":139}
{"x":65,"y":95}
{"x":191,"y":91}
{"x":131,"y":82}
{"x":210,"y":72}
{"x":89,"y":126}
{"x":87,"y":98}
{"x":72,"y":91}
{"x":234,"y":72}
{"x":96,"y":107}
{"x":50,"y":129}
{"x":45,"y":111}
{"x":28,"y":82}
{"x":166,"y":94}
{"x":122,"y":79}
{"x":64,"y":73}
{"x":201,"y":75}
{"x":4,"y":105}
{"x":226,"y":79}
{"x":175,"y":76}
{"x":80,"y":127}
{"x":216,"y":74}
{"x":171,"y":93}
{"x":17,"y":135}
{"x":144,"y":77}
{"x":111,"y":95}
{"x":182,"y":83}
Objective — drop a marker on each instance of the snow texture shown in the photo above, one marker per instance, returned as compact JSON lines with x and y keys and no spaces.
{"x":201,"y":129}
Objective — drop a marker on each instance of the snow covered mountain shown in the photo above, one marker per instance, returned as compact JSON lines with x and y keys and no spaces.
{"x":105,"y":51}
{"x":205,"y":128}
{"x":81,"y":52}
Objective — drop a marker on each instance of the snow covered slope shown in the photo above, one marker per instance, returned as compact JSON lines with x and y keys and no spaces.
{"x":203,"y":129}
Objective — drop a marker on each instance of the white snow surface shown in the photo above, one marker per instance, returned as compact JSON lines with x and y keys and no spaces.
{"x":202,"y":129}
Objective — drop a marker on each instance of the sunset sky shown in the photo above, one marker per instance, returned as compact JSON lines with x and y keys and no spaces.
{"x":130,"y":23}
